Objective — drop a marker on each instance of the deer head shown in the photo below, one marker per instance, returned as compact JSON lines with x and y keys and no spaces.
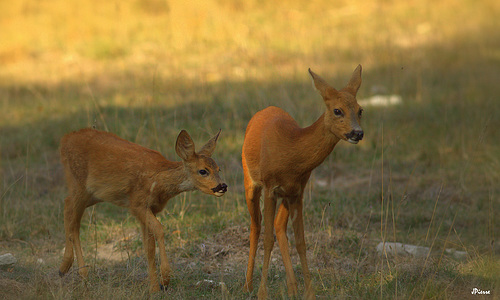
{"x":343,"y":113}
{"x":202,"y":169}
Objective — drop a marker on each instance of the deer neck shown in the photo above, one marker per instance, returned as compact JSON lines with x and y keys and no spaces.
{"x":173,"y":180}
{"x":314,"y":144}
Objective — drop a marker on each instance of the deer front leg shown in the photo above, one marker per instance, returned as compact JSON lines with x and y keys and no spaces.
{"x":157,"y":229}
{"x":280,"y":224}
{"x":298,"y":229}
{"x":269,"y":211}
{"x":149,"y":250}
{"x":154,"y":227}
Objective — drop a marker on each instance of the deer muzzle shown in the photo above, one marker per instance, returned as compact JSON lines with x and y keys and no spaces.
{"x":354,"y":136}
{"x":220,"y":190}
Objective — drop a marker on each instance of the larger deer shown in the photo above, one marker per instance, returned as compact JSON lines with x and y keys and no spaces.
{"x":100,"y":166}
{"x":278,"y":157}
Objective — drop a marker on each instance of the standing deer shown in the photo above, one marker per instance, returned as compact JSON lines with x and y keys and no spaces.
{"x":278,"y":157}
{"x":101,"y":167}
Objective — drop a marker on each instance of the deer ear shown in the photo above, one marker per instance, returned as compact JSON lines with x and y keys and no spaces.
{"x":355,"y":82}
{"x":184,"y":146}
{"x":209,"y":147}
{"x":325,"y":90}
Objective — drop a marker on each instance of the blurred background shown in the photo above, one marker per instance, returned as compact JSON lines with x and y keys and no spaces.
{"x":426,"y":173}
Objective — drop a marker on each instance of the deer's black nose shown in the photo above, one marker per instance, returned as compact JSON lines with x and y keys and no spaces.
{"x":355,"y":135}
{"x":359,"y":134}
{"x":221,"y":188}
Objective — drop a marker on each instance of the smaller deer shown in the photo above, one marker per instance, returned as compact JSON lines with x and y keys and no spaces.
{"x":101,"y":167}
{"x":278,"y":157}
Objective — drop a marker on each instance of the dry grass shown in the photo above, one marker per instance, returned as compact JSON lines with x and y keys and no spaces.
{"x":426,"y":173}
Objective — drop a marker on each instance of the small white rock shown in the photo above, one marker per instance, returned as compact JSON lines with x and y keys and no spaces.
{"x":381,"y":100}
{"x":461,"y":255}
{"x":207,"y":283}
{"x":7,"y":259}
{"x":402,"y":249}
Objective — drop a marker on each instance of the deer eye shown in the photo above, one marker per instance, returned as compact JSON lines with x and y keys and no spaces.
{"x":360,"y":113}
{"x":203,"y":172}
{"x":338,"y":112}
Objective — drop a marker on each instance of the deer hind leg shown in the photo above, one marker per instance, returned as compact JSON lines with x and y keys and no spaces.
{"x":252,"y":195}
{"x":69,"y":255}
{"x":280,"y":224}
{"x":269,"y":212}
{"x":74,"y":206}
{"x":298,"y":228}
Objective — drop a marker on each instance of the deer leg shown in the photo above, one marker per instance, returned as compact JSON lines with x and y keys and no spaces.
{"x":159,"y":235}
{"x":298,"y":229}
{"x":152,"y":225}
{"x":77,"y":207}
{"x":280,"y":224}
{"x":269,"y":212}
{"x":69,"y":255}
{"x":150,"y":250}
{"x":252,"y":194}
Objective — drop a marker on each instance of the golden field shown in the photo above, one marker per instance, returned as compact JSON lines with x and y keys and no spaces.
{"x":426,"y":173}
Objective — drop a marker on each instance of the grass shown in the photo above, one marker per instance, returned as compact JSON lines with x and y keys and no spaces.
{"x":426,"y":173}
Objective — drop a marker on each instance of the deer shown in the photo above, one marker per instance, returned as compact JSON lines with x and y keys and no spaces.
{"x":278,"y":157}
{"x":102,"y":167}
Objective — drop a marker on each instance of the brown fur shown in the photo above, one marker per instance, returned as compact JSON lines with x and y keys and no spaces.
{"x":278,"y":157}
{"x":100,"y":166}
